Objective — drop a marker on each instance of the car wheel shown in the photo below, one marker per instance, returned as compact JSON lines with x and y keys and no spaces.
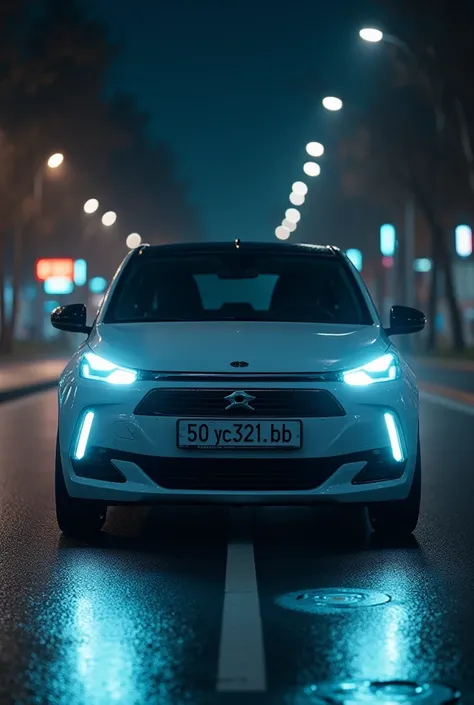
{"x":76,"y":517}
{"x":400,"y":517}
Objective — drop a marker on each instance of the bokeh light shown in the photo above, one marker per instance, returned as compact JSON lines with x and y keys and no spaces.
{"x":133,"y":241}
{"x":463,"y":234}
{"x":289,"y":225}
{"x":370,"y":34}
{"x":312,"y":169}
{"x":355,"y":257}
{"x":282,"y":233}
{"x":293,"y":215}
{"x":297,"y":199}
{"x":55,"y":160}
{"x":332,"y":103}
{"x":315,"y":149}
{"x":91,"y":206}
{"x":109,"y":218}
{"x":300,"y":188}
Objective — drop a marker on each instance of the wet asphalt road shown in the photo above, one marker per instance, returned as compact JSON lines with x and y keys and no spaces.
{"x":137,"y":617}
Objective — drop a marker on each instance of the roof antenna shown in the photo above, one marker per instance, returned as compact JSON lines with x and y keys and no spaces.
{"x":237,"y":243}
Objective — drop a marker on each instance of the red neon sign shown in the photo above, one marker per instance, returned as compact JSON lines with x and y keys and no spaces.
{"x":54,"y":267}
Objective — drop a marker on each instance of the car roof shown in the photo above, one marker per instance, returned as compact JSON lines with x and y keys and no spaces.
{"x":277,"y":248}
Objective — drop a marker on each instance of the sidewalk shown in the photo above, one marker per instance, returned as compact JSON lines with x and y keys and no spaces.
{"x":24,"y":377}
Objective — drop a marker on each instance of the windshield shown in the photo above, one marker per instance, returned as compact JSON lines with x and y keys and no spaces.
{"x":238,"y":287}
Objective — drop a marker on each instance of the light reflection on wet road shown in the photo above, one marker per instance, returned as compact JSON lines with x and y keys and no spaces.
{"x":136,"y":617}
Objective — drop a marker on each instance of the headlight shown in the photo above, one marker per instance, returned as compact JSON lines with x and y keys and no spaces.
{"x":383,"y":369}
{"x":94,"y":367}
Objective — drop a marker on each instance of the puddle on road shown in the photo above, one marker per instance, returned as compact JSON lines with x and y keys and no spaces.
{"x":330,"y":599}
{"x":378,"y":693}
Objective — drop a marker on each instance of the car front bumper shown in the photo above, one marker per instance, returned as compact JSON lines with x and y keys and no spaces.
{"x":135,"y":459}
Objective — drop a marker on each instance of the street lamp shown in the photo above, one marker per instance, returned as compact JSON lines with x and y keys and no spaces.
{"x":370,"y":34}
{"x":312,"y":169}
{"x":300,"y":188}
{"x":289,"y":225}
{"x":109,"y":218}
{"x":297,"y":199}
{"x":91,"y":206}
{"x":332,"y":103}
{"x":315,"y":149}
{"x":54,"y":161}
{"x":133,"y":240}
{"x":293,"y":215}
{"x":282,"y":233}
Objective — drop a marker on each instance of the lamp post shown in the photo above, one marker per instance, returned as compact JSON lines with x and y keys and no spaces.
{"x":375,"y":36}
{"x":54,"y":161}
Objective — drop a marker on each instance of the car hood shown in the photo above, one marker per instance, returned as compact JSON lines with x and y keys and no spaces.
{"x":211,"y":346}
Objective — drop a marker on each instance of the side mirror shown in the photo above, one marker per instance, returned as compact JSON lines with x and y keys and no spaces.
{"x":404,"y":319}
{"x":71,"y":318}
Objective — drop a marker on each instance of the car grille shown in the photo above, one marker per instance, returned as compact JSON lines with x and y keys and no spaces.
{"x":283,"y":403}
{"x":237,"y":474}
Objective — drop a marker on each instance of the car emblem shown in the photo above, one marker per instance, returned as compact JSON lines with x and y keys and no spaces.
{"x":241,"y":400}
{"x":239,"y":363}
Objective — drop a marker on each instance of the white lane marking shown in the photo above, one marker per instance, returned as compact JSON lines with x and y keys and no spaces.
{"x":448,"y":403}
{"x":241,"y":651}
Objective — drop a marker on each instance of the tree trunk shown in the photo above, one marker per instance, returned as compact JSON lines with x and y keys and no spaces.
{"x":16,"y":281}
{"x":433,"y":302}
{"x":451,"y":297}
{"x":443,"y":261}
{"x":3,"y":321}
{"x":9,"y":329}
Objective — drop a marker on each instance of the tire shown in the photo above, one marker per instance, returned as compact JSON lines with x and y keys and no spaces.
{"x":399,"y":518}
{"x":78,"y":518}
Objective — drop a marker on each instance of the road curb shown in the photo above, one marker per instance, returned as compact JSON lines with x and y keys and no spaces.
{"x":19,"y":392}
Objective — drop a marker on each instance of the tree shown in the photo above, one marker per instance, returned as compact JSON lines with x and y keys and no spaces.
{"x":53,"y":64}
{"x":414,"y":135}
{"x":439,"y":51}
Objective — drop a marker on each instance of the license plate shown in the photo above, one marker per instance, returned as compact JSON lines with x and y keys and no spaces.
{"x":193,"y":433}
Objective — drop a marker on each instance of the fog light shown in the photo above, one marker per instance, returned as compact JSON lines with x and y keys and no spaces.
{"x":394,"y":436}
{"x":83,"y":436}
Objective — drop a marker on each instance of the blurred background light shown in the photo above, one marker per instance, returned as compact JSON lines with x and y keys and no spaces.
{"x":297,"y":199}
{"x":315,"y":149}
{"x":80,"y":272}
{"x":133,"y":241}
{"x":422,"y":265}
{"x":332,"y":103}
{"x":355,"y":257}
{"x":300,"y":188}
{"x":97,"y":285}
{"x":91,"y":206}
{"x":282,"y":233}
{"x":58,"y":285}
{"x":55,"y":160}
{"x":388,"y":239}
{"x":370,"y":34}
{"x":293,"y":215}
{"x":109,"y":218}
{"x":463,"y":240}
{"x":289,"y":225}
{"x":312,"y":169}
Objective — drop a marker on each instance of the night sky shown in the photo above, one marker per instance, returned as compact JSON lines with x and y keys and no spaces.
{"x":229,"y":87}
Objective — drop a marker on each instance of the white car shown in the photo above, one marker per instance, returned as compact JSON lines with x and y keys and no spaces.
{"x":237,"y":373}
